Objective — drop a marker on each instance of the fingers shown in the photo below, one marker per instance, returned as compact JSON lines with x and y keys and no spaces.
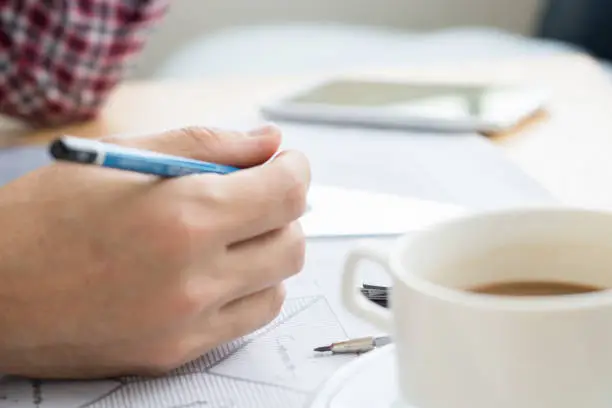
{"x":252,"y":312}
{"x":255,"y":201}
{"x":235,"y":320}
{"x":265,"y":261}
{"x":244,"y":204}
{"x":218,"y":146}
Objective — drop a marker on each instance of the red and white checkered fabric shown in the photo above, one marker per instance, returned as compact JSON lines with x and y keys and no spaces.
{"x":60,"y":58}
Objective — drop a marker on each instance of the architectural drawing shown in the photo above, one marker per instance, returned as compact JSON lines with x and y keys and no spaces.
{"x":272,"y":367}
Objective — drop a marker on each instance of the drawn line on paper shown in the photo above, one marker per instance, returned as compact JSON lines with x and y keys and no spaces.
{"x":195,"y":368}
{"x":269,"y":328}
{"x":267,"y":384}
{"x":193,"y":404}
{"x":212,"y":380}
{"x":337,"y":319}
{"x":37,"y":393}
{"x":103,"y":396}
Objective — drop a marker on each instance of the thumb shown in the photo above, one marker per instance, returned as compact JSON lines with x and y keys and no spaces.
{"x":201,"y":143}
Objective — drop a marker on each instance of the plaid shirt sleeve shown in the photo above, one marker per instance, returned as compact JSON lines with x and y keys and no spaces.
{"x":59,"y":59}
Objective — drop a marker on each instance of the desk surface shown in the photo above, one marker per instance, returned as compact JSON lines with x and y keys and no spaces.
{"x":567,"y":151}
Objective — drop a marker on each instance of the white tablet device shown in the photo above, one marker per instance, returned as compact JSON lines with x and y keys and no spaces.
{"x":431,"y":106}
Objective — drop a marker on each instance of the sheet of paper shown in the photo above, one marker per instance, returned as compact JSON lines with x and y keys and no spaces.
{"x":16,"y":161}
{"x":466,"y":170}
{"x":340,"y":212}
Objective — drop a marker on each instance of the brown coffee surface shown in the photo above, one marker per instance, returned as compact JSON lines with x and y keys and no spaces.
{"x":534,"y":288}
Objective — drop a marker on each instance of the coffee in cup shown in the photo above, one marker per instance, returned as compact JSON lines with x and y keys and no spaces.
{"x":534,"y":288}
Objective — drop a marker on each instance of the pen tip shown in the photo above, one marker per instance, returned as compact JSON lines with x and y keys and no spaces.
{"x":323,"y":349}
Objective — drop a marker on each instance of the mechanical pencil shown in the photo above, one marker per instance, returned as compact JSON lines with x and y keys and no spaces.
{"x":93,"y":152}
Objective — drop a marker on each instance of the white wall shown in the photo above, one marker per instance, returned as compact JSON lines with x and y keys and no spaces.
{"x":192,"y":18}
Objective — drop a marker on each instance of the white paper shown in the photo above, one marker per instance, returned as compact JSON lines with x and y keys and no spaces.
{"x":465,"y":170}
{"x":340,"y":212}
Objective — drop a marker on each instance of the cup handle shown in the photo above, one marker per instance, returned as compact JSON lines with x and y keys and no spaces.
{"x":353,"y":299}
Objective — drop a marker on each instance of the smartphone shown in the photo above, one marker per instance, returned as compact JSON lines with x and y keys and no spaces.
{"x":411,"y":105}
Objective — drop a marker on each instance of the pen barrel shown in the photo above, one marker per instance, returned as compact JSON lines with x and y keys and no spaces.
{"x":161,"y":165}
{"x":78,"y":150}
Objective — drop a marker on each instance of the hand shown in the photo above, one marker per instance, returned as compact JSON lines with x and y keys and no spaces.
{"x":105,"y":272}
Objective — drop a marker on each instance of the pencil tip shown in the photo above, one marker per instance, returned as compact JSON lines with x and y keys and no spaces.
{"x":323,"y":349}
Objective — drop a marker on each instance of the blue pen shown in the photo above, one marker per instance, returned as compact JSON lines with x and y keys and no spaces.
{"x":93,"y":152}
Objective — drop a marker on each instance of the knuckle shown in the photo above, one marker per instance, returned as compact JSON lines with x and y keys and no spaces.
{"x":178,"y":233}
{"x":296,"y":251}
{"x":275,"y":301}
{"x":197,"y":295}
{"x":258,"y":312}
{"x":216,"y":195}
{"x":187,"y":227}
{"x":175,"y":231}
{"x":198,"y":134}
{"x":188,"y":300}
{"x":162,"y":235}
{"x":291,"y":183}
{"x":294,"y":195}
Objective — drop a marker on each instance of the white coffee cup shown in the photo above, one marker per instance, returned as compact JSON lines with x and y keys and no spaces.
{"x":461,"y":349}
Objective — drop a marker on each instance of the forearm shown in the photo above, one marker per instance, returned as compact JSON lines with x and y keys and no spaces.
{"x":59,"y":60}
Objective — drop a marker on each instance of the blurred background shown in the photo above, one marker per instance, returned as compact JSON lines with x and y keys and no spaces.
{"x":269,"y":37}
